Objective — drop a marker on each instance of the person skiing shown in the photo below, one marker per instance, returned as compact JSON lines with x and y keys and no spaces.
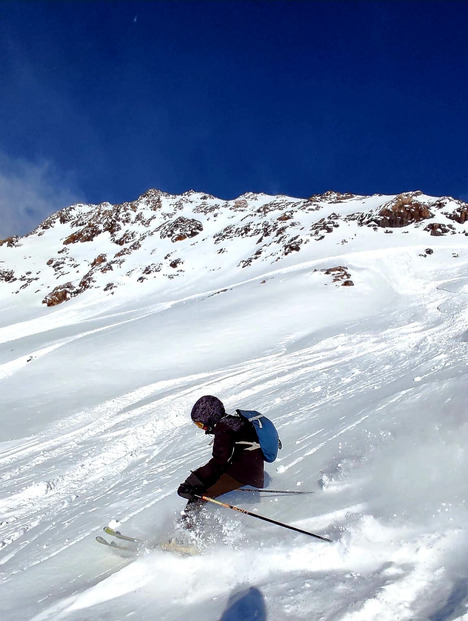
{"x":237,"y":458}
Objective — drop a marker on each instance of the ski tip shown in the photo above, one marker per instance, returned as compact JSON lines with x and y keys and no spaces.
{"x":110,"y":531}
{"x":122,"y":551}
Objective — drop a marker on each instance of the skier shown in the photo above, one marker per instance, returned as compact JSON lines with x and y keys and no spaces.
{"x":237,"y":458}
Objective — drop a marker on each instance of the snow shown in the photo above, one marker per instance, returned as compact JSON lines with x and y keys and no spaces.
{"x":366,"y":384}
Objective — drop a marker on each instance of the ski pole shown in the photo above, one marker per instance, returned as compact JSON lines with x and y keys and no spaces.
{"x":270,"y":491}
{"x":261,"y":517}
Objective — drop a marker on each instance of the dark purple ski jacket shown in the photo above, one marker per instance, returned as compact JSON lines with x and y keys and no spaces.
{"x":244,"y":465}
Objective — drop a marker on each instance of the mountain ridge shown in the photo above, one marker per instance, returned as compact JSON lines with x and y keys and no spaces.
{"x":163,"y":237}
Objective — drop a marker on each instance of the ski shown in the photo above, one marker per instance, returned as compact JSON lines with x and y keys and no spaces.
{"x":115,"y":533}
{"x":114,"y":546}
{"x":166,"y":546}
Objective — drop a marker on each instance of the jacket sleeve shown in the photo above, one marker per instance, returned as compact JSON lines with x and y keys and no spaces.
{"x":223,"y":449}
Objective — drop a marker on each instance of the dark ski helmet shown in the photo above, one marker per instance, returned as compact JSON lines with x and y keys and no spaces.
{"x":208,"y":411}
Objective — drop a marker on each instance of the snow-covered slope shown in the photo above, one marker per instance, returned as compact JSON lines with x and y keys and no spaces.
{"x":242,"y":299}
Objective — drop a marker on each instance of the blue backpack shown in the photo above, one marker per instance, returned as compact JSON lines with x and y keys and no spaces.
{"x":266,"y":432}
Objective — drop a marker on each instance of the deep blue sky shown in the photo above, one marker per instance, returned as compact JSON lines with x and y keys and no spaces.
{"x":103,"y":100}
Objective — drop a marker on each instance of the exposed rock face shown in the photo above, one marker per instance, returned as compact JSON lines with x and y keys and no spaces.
{"x":7,"y":275}
{"x":9,"y":241}
{"x":332,"y":196}
{"x":340,"y":275}
{"x":60,"y":294}
{"x":180,"y":229}
{"x":438,"y":228}
{"x":413,"y":208}
{"x":404,"y":209}
{"x":459,"y":214}
{"x":99,"y":260}
{"x":150,"y":239}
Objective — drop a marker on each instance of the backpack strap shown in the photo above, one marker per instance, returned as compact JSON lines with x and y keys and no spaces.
{"x":250,"y":418}
{"x":249,"y":446}
{"x":258,"y":418}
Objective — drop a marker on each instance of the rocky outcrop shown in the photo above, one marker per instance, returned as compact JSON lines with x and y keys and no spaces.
{"x":325,"y":225}
{"x":7,"y":275}
{"x":438,"y":229}
{"x":412,"y":208}
{"x":181,"y":228}
{"x":331,"y":196}
{"x":11,"y":242}
{"x":65,"y":292}
{"x":60,"y":294}
{"x":403,"y":210}
{"x":458,"y":214}
{"x":340,"y":275}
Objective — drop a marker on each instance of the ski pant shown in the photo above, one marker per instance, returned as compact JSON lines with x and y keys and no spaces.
{"x":223,"y":485}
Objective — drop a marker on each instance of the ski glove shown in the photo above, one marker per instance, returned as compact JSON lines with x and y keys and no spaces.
{"x":190,"y":487}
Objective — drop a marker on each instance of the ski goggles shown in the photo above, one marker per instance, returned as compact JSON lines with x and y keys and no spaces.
{"x":199,"y":424}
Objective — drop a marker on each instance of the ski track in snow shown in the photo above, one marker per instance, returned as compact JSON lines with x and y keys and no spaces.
{"x":346,"y":398}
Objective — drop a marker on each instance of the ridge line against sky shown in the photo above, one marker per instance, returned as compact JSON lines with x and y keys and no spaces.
{"x":103,"y":100}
